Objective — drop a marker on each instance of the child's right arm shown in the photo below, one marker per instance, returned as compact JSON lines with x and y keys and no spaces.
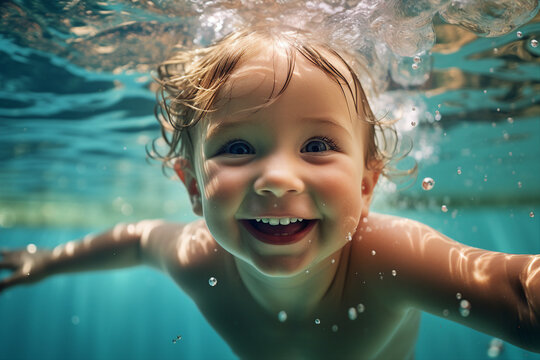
{"x":123,"y":246}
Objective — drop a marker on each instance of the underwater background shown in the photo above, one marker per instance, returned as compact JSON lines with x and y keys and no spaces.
{"x":77,"y":114}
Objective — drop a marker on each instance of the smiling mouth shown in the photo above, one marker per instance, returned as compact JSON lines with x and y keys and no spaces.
{"x":278,"y":234}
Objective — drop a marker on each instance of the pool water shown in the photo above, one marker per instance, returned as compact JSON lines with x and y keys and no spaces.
{"x":76,"y":114}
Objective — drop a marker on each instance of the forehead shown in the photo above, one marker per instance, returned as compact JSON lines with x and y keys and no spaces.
{"x":270,"y":73}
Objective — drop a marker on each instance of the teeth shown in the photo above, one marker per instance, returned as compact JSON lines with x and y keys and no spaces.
{"x":276,"y":221}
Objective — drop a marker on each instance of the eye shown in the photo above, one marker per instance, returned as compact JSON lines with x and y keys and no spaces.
{"x":236,"y":147}
{"x":319,"y":145}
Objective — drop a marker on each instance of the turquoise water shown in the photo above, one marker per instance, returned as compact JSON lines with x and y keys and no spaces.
{"x":76,"y":112}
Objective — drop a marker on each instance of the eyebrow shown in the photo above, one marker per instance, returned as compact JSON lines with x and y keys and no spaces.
{"x":222,"y":126}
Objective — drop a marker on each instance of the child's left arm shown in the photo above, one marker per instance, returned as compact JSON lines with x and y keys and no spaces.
{"x":493,"y":292}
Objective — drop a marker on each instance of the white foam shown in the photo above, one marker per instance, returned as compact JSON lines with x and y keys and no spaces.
{"x":387,"y":33}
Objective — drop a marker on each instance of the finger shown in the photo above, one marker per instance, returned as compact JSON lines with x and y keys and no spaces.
{"x":7,"y":265}
{"x":5,"y":261}
{"x":15,"y":279}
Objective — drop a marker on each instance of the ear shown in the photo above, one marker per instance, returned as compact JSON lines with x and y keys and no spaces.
{"x":185,"y":172}
{"x":369,"y":180}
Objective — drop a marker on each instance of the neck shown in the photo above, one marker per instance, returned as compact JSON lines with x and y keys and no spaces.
{"x":298,"y":295}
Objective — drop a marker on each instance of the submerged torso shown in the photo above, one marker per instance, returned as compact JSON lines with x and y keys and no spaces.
{"x":356,"y":321}
{"x":252,"y":333}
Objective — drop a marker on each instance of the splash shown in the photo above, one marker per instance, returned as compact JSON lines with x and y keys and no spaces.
{"x":392,"y":36}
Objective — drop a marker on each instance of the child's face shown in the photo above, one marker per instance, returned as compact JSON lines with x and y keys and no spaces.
{"x":300,"y":157}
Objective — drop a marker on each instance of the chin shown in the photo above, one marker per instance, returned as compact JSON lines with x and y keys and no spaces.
{"x":281,"y":266}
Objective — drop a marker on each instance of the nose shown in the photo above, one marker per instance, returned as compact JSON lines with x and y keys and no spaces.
{"x":278,"y":179}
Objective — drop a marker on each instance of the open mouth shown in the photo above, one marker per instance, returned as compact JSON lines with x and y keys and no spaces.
{"x":278,"y":234}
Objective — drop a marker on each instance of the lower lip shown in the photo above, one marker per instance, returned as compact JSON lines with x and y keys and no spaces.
{"x":278,"y":239}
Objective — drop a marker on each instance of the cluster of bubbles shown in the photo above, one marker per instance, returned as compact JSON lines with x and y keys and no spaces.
{"x":495,"y":348}
{"x":392,"y":36}
{"x":178,"y":338}
{"x":464,"y":305}
{"x":354,"y":311}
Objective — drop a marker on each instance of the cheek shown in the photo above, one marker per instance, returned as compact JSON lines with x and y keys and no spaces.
{"x":223,"y":185}
{"x":341,"y":193}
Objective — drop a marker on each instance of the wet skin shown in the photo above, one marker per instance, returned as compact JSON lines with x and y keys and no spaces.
{"x":386,"y":329}
{"x":430,"y":269}
{"x":278,"y":161}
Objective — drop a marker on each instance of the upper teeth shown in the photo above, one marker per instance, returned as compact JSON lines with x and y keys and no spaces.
{"x":280,"y":221}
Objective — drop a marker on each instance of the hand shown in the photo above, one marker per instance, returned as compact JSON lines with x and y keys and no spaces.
{"x":27,"y":266}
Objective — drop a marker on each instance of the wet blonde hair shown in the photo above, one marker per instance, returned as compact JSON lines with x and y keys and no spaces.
{"x":190,"y":80}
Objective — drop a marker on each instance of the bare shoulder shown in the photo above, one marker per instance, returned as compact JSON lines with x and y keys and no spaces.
{"x":169,"y":246}
{"x":398,"y":254}
{"x":384,"y":235}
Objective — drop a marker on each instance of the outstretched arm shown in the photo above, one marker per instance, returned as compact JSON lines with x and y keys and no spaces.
{"x":496,"y":293}
{"x":116,"y":248}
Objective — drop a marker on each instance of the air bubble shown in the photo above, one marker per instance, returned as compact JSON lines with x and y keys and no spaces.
{"x":394,"y":272}
{"x":520,"y":184}
{"x":212,"y":281}
{"x":459,"y":171}
{"x":458,"y":296}
{"x":445,"y":312}
{"x":417,"y":59}
{"x":348,"y":237}
{"x":333,"y":261}
{"x":531,"y":214}
{"x":282,"y":316}
{"x":373,"y":252}
{"x":444,"y":208}
{"x":334,"y":328}
{"x":428,"y":183}
{"x":352,"y":313}
{"x":361,"y":308}
{"x":317,"y":321}
{"x":31,"y":248}
{"x":534,"y":43}
{"x":414,"y":66}
{"x":510,"y":120}
{"x":519,"y":34}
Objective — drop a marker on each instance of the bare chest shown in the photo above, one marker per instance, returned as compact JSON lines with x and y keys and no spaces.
{"x":344,"y":331}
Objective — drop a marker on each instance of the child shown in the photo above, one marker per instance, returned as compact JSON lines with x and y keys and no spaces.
{"x":276,"y":144}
